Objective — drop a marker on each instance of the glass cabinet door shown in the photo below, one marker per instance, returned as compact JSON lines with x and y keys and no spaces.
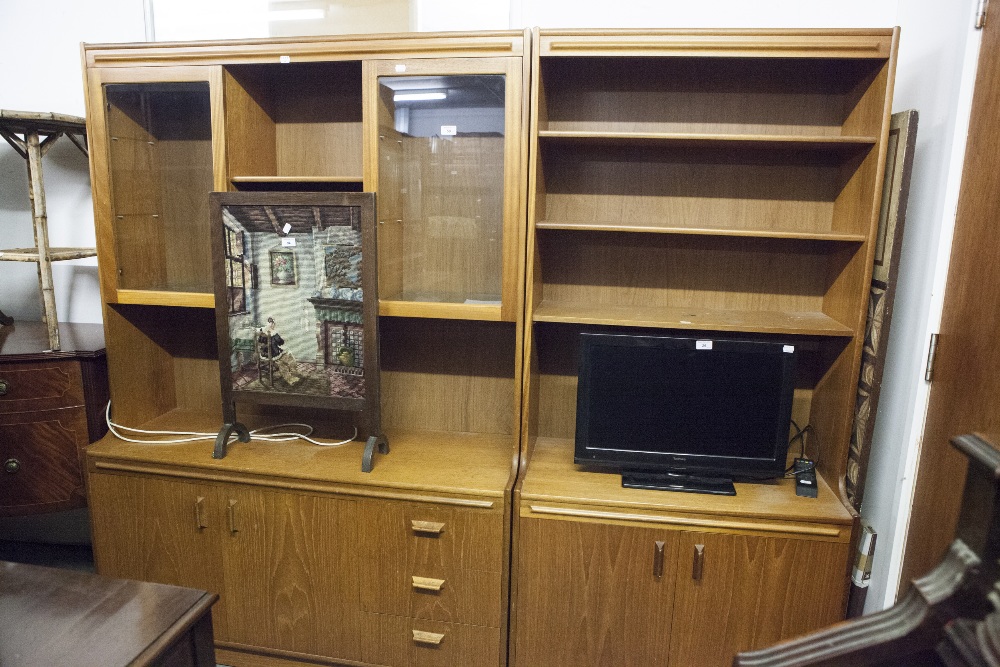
{"x":158,"y":136}
{"x":447,"y":162}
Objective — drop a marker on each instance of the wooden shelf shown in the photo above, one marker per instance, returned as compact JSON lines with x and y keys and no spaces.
{"x":552,"y":477}
{"x":424,"y":462}
{"x":838,"y":144}
{"x":750,"y":321}
{"x":658,"y":227}
{"x":166,"y":298}
{"x":487,"y":312}
{"x":55,"y":254}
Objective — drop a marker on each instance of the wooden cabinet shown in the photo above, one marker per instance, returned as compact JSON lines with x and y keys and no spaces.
{"x":658,"y":181}
{"x":593,"y":593}
{"x":708,"y":184}
{"x":51,"y":407}
{"x":629,"y":593}
{"x":282,"y":563}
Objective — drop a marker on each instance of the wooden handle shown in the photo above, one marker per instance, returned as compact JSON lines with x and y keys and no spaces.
{"x":433,"y":638}
{"x":429,"y":527}
{"x":232,"y":517}
{"x":699,"y":562}
{"x":658,"y":559}
{"x":427,"y":584}
{"x":199,"y":517}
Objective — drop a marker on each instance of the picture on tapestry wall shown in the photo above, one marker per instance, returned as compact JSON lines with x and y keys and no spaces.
{"x":302,"y":331}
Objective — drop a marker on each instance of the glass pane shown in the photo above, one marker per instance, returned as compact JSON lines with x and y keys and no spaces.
{"x":441,"y":168}
{"x":161,"y":174}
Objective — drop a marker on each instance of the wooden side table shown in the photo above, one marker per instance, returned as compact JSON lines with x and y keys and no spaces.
{"x":65,"y":617}
{"x":51,"y":407}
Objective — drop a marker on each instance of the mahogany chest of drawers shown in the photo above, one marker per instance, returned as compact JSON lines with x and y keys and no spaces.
{"x":51,"y":407}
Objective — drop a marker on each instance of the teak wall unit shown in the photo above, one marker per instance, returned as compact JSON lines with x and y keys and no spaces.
{"x":694,"y":182}
{"x":314,"y":560}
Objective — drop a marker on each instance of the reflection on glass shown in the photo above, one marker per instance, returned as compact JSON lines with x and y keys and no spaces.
{"x":161,"y":171}
{"x":441,"y":150}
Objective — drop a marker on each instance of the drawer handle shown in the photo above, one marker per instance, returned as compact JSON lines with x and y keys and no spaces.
{"x":699,"y":562}
{"x":432,"y":638}
{"x":658,"y":558}
{"x":232,"y":518}
{"x":4,"y":387}
{"x":199,"y":517}
{"x":12,"y":466}
{"x":428,"y":527}
{"x":427,"y":584}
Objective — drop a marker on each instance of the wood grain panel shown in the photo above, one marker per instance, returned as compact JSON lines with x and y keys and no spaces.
{"x":601,"y":269}
{"x":466,"y":596}
{"x":389,"y":640}
{"x":469,"y":540}
{"x":41,"y":385}
{"x":250,"y":136}
{"x":146,"y":529}
{"x":552,"y":479}
{"x":691,"y":188}
{"x":47,"y":446}
{"x":445,"y":375}
{"x":738,"y":96}
{"x":587,"y":594}
{"x":751,"y":592}
{"x":291,"y":572}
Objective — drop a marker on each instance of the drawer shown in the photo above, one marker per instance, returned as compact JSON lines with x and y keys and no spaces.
{"x":40,"y":460}
{"x":454,"y":596}
{"x":43,"y":385}
{"x":398,"y":641}
{"x":413,"y":536}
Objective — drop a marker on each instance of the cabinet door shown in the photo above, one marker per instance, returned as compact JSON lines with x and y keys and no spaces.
{"x":157,"y":530}
{"x":589,"y":594}
{"x":291,"y":573}
{"x":154,"y":157}
{"x":738,"y":592}
{"x":447,"y":174}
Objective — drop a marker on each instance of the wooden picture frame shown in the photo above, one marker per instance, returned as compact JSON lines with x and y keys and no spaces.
{"x":302,"y":338}
{"x":282,"y":263}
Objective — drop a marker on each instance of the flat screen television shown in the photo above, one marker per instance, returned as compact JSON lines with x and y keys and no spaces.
{"x":685,"y":414}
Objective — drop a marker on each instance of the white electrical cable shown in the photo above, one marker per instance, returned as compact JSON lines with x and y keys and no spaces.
{"x":195,"y":436}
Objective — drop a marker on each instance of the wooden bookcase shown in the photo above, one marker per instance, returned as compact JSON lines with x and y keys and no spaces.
{"x":689,"y":182}
{"x":696,"y":183}
{"x":314,"y":560}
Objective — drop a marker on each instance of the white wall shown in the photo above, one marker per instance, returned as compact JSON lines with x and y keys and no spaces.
{"x":40,"y":70}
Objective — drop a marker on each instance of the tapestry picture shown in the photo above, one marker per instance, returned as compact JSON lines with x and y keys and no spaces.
{"x":300,"y":331}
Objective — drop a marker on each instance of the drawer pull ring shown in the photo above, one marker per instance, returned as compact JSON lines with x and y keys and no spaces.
{"x":4,"y":387}
{"x":430,"y":527}
{"x":427,"y":584}
{"x":199,"y":517}
{"x":12,"y":466}
{"x":699,"y":562}
{"x":658,"y":559}
{"x":432,"y":638}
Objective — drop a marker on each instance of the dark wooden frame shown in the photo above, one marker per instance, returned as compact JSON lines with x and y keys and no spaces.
{"x":369,"y":425}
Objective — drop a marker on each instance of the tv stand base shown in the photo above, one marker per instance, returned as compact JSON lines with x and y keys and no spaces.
{"x":671,"y":481}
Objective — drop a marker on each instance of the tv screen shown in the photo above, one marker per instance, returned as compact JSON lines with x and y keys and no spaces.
{"x":714,"y":406}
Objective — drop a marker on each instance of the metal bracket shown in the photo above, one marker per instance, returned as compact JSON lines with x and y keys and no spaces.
{"x":222,"y":440}
{"x":374,"y":441}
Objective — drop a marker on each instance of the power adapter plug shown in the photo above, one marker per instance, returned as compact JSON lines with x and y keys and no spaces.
{"x":805,"y":478}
